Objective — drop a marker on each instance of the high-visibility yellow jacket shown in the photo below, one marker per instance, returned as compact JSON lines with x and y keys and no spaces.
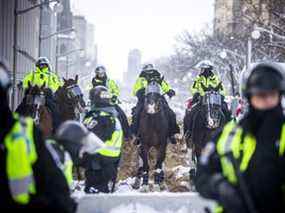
{"x":203,"y":84}
{"x":145,"y":78}
{"x":21,"y":155}
{"x":40,"y":77}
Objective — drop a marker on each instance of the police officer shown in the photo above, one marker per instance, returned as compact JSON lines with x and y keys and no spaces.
{"x":242,"y":168}
{"x":29,"y":178}
{"x":205,"y":81}
{"x":103,"y":121}
{"x":101,"y":79}
{"x":148,"y":74}
{"x":42,"y":75}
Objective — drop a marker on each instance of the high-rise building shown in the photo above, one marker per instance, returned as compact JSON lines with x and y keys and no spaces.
{"x":80,"y":26}
{"x":90,"y":42}
{"x":134,"y":65}
{"x":67,"y":48}
{"x":235,"y":17}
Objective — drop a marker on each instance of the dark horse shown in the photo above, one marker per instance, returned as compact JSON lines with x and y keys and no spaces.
{"x":69,"y":100}
{"x":35,"y":105}
{"x":208,"y":118}
{"x":153,"y":131}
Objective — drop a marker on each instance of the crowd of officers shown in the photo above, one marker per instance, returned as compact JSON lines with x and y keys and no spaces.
{"x":242,"y":167}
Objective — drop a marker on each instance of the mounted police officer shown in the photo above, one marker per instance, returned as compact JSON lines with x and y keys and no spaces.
{"x":43,"y":75}
{"x":148,"y":74}
{"x":206,"y":81}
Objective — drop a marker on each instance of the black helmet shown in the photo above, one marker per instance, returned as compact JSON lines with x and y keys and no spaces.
{"x":262,"y":77}
{"x":5,"y":81}
{"x":148,"y":68}
{"x":77,"y":140}
{"x":43,"y":62}
{"x":100,"y":96}
{"x":100,"y":71}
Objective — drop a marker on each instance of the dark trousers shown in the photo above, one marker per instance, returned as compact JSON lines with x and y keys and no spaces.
{"x":100,"y":171}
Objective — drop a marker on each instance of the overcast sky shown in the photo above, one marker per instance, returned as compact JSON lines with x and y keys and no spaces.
{"x":149,"y":25}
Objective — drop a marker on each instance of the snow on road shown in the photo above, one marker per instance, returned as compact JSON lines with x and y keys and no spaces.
{"x":134,"y":202}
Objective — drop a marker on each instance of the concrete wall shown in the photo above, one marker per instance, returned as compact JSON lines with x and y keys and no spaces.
{"x":28,"y":36}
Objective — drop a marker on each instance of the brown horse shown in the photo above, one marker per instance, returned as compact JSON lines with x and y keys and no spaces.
{"x":34,"y":105}
{"x":69,"y":99}
{"x":153,"y":132}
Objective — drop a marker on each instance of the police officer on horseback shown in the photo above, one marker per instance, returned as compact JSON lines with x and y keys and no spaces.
{"x":101,"y":79}
{"x":242,"y":168}
{"x":42,"y":75}
{"x":103,"y":121}
{"x":206,"y":81}
{"x":149,"y":74}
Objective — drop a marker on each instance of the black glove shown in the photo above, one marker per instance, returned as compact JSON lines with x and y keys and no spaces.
{"x":171,"y":93}
{"x":140,"y":94}
{"x":227,"y":195}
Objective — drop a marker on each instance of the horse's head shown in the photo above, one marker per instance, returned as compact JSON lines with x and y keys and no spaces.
{"x":35,"y":100}
{"x":35,"y":95}
{"x":153,"y":98}
{"x":71,"y":95}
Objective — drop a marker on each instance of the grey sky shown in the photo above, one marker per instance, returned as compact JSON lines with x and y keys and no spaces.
{"x":149,"y":25}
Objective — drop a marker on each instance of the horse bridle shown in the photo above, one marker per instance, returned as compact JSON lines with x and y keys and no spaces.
{"x":74,"y":92}
{"x":36,"y":100}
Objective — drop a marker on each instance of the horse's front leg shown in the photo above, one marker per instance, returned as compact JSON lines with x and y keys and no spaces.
{"x":145,"y":169}
{"x":159,"y":173}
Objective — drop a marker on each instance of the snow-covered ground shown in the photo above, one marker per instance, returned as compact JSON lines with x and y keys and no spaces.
{"x":162,"y":202}
{"x":127,"y":200}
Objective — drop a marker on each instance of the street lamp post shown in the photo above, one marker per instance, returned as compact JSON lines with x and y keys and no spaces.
{"x":66,"y":55}
{"x":249,"y":52}
{"x":15,"y":37}
{"x":224,"y":55}
{"x":58,"y":8}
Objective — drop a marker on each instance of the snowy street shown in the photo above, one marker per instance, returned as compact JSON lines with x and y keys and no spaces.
{"x":142,"y":203}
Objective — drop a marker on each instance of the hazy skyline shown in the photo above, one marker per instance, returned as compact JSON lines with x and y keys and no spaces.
{"x":149,"y":25}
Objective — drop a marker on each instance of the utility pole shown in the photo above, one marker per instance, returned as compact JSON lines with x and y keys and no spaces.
{"x":15,"y":46}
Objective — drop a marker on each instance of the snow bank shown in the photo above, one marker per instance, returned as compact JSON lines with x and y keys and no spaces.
{"x":143,"y":203}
